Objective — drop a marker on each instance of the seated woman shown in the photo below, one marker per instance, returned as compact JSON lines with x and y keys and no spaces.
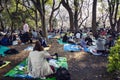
{"x":38,"y":67}
{"x":83,"y":43}
{"x":5,"y":40}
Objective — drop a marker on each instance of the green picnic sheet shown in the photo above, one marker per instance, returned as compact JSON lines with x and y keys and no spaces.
{"x":19,"y":70}
{"x":3,"y":49}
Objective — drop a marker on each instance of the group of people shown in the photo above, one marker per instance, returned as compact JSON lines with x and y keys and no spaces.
{"x":38,"y":59}
{"x":38,"y":66}
{"x":23,"y":36}
{"x":85,"y":39}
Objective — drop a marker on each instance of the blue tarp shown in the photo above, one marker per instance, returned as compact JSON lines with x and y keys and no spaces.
{"x":71,"y":47}
{"x":3,"y":49}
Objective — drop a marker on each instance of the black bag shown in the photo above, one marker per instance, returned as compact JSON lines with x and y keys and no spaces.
{"x":11,"y":51}
{"x":62,"y":74}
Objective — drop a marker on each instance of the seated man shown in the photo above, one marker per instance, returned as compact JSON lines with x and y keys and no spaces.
{"x":101,"y":45}
{"x":43,"y":42}
{"x":65,"y":38}
{"x":88,"y":40}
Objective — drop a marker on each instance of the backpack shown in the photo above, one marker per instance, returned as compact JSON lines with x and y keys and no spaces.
{"x":62,"y":74}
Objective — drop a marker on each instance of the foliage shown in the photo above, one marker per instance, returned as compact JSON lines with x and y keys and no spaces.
{"x":114,"y":58}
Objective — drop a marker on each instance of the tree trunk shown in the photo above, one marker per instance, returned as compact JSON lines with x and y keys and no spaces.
{"x":36,"y":19}
{"x":113,"y":11}
{"x":94,"y":27}
{"x":67,"y":7}
{"x":76,"y":3}
{"x":44,"y":26}
{"x":118,"y":25}
{"x":40,"y":6}
{"x":2,"y":26}
{"x":71,"y":21}
{"x":50,"y":21}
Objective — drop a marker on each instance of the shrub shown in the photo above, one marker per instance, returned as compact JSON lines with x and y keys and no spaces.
{"x":114,"y":58}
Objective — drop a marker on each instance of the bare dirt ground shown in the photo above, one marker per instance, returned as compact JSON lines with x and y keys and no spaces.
{"x":82,"y":66}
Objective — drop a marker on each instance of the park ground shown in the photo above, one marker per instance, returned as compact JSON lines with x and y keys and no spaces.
{"x":81,"y":65}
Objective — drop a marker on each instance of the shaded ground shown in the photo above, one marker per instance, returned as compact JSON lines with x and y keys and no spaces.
{"x":82,"y":66}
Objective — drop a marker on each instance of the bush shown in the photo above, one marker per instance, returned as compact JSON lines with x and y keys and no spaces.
{"x":114,"y":58}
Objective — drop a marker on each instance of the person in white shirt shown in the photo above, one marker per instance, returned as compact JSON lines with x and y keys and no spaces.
{"x":25,"y":27}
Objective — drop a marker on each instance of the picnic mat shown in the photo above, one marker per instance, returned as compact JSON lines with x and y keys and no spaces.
{"x":3,"y":49}
{"x":19,"y":70}
{"x":61,"y":42}
{"x":6,"y":63}
{"x":51,"y":36}
{"x":71,"y":47}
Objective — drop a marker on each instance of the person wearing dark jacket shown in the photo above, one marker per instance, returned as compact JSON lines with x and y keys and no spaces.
{"x":88,"y":40}
{"x":65,"y":38}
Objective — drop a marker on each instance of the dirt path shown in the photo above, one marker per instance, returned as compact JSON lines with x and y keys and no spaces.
{"x":82,"y":66}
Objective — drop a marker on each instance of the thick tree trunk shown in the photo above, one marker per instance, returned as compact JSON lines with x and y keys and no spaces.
{"x":67,"y":7}
{"x":71,"y":21}
{"x":94,"y":27}
{"x":76,"y":4}
{"x":44,"y":26}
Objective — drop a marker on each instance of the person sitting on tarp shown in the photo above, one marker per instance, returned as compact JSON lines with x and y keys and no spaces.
{"x":65,"y":38}
{"x":110,"y":42}
{"x":5,"y":41}
{"x":71,"y":41}
{"x":12,"y":38}
{"x":25,"y":37}
{"x":43,"y":42}
{"x":38,"y":66}
{"x":101,"y":45}
{"x":88,"y":40}
{"x":83,"y":43}
{"x":78,"y":35}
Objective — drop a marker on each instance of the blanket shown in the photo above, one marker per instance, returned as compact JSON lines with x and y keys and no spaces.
{"x":51,"y":36}
{"x":19,"y":70}
{"x":3,"y":49}
{"x":6,"y":63}
{"x":71,"y":47}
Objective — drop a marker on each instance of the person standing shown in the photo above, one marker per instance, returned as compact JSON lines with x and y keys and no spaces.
{"x":25,"y":27}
